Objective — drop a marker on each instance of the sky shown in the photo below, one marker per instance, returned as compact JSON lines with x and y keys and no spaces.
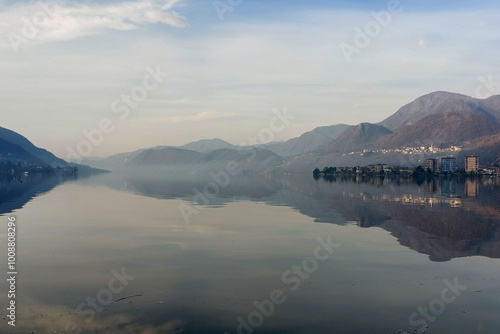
{"x":197,"y":69}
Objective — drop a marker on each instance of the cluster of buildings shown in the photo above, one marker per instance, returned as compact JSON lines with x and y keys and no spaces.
{"x":419,"y":150}
{"x":449,"y":165}
{"x":445,"y":165}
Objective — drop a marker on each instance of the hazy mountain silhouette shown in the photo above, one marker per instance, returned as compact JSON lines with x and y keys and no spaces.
{"x":314,"y":140}
{"x":357,"y":136}
{"x":207,"y":145}
{"x":176,"y":159}
{"x":166,"y":156}
{"x":439,"y":119}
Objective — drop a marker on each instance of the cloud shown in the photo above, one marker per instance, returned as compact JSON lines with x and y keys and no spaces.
{"x":42,"y":22}
{"x":423,"y":43}
{"x":59,"y":317}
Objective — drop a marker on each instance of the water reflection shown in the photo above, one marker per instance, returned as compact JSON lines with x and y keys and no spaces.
{"x":200,"y":278}
{"x":443,"y":217}
{"x":16,"y":192}
{"x":472,"y":188}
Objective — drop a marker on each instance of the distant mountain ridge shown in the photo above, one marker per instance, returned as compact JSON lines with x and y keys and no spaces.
{"x":356,"y":136}
{"x":208,"y":145}
{"x":434,"y":125}
{"x":309,"y":141}
{"x":164,"y":156}
{"x":177,"y":159}
{"x":314,"y":140}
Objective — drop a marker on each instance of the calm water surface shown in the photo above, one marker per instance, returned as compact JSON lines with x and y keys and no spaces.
{"x":398,"y":248}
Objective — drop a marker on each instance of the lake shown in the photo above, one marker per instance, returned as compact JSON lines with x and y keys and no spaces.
{"x":151,"y":254}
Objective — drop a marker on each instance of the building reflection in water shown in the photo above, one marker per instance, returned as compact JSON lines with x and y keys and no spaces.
{"x":471,"y":188}
{"x":448,"y":186}
{"x":431,"y":186}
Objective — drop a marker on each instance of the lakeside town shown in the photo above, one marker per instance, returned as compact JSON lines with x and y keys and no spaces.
{"x":419,"y":150}
{"x":431,"y":167}
{"x":25,"y":168}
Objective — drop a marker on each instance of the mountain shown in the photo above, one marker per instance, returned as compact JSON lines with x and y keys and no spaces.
{"x":168,"y":156}
{"x":314,"y":140}
{"x":442,"y":103}
{"x":249,"y":160}
{"x":17,"y":148}
{"x":493,"y":105}
{"x":208,"y":145}
{"x":40,"y":153}
{"x":15,"y":153}
{"x":355,"y":137}
{"x":442,"y":120}
{"x":181,"y":160}
{"x":444,"y":129}
{"x":486,"y":148}
{"x":116,"y":160}
{"x":336,"y":153}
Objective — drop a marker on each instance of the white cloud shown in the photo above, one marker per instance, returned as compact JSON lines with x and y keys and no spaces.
{"x":423,"y":43}
{"x":48,"y":21}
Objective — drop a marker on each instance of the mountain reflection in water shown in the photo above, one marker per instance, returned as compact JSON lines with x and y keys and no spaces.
{"x":442,"y":217}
